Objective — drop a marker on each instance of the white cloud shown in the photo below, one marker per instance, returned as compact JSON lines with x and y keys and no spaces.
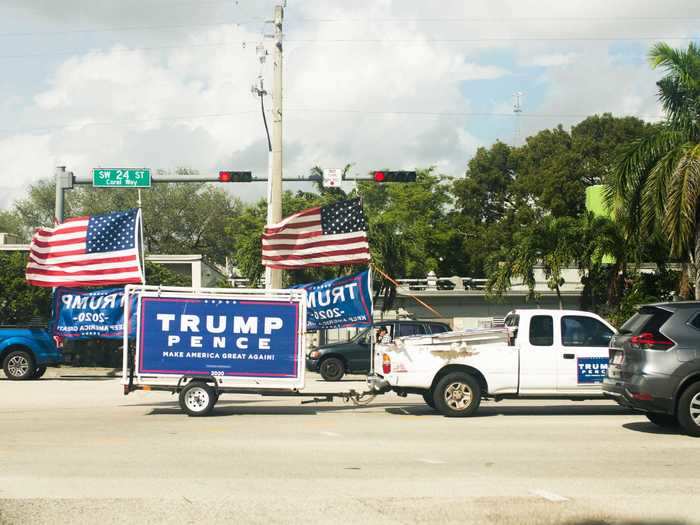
{"x":365,"y":102}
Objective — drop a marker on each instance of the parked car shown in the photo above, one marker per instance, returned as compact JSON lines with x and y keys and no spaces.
{"x":26,"y":351}
{"x":655,"y":364}
{"x":335,"y":360}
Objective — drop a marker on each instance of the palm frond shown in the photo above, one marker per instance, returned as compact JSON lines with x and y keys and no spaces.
{"x":682,"y":201}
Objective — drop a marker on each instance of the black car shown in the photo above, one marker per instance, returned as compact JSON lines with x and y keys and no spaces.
{"x":655,"y":364}
{"x":335,"y":360}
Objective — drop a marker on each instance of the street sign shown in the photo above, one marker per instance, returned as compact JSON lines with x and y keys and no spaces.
{"x":121,"y":177}
{"x":332,"y":177}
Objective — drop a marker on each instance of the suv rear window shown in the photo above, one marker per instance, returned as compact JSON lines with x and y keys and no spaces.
{"x":410,"y":329}
{"x":647,"y":319}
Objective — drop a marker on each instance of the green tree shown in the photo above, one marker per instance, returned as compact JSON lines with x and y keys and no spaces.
{"x":656,"y":186}
{"x":20,"y":302}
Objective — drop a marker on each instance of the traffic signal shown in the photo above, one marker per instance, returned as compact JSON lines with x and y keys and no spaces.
{"x":394,"y":176}
{"x":235,"y":176}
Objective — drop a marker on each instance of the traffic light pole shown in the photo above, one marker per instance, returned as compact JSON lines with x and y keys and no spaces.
{"x":273,"y":278}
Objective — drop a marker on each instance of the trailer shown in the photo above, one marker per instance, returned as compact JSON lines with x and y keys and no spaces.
{"x":202,"y":343}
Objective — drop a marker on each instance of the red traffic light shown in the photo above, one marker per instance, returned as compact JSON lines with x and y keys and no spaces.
{"x":379,"y":176}
{"x":235,"y":176}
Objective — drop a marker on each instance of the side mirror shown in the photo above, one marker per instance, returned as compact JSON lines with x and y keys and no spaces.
{"x":512,"y":335}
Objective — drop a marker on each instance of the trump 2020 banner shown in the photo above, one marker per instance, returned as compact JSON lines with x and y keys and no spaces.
{"x":220,"y":337}
{"x":97,"y":314}
{"x":344,"y":301}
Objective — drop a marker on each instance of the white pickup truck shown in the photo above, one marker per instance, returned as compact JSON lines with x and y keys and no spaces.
{"x":539,"y":354}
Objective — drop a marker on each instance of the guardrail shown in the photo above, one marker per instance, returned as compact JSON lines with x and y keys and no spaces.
{"x":428,"y":283}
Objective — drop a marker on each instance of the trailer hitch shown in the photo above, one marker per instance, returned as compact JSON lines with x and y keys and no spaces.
{"x":358,"y":398}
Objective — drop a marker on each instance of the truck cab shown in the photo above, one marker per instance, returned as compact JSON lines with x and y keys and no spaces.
{"x":539,"y":353}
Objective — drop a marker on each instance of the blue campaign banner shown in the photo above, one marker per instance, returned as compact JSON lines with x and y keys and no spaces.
{"x":592,"y":369}
{"x":344,"y":301}
{"x":226,"y":337}
{"x":96,"y":314}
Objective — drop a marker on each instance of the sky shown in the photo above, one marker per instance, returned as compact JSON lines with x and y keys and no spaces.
{"x":379,"y":84}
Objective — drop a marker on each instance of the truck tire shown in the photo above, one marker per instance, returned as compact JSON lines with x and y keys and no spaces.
{"x":19,"y":365}
{"x":689,"y":410}
{"x":457,"y":395}
{"x":332,"y":369}
{"x":39,"y":372}
{"x":428,"y":398}
{"x":197,"y":399}
{"x":662,"y":420}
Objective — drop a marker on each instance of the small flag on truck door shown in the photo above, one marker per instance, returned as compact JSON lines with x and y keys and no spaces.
{"x":330,"y":235}
{"x":95,"y":250}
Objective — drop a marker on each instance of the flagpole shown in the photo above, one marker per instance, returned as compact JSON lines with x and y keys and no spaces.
{"x":371,"y":326}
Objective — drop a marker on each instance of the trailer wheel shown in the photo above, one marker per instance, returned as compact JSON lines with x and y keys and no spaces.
{"x":40,"y":371}
{"x":457,"y":395}
{"x":197,"y":399}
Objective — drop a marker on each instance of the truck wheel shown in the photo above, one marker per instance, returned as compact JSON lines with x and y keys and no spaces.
{"x":197,"y":399}
{"x":19,"y":365}
{"x":428,"y":398}
{"x":689,"y":410}
{"x":40,"y":371}
{"x":457,"y":395}
{"x":662,"y":420}
{"x":332,"y":369}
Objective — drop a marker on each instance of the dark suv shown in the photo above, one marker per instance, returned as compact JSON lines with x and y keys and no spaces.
{"x":655,"y":364}
{"x":333,"y":361}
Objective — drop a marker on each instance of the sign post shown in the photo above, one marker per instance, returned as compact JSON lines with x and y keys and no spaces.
{"x":121,"y":177}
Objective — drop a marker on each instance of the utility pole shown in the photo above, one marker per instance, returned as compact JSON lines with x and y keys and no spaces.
{"x":273,"y":278}
{"x":64,"y":181}
{"x":517,"y":110}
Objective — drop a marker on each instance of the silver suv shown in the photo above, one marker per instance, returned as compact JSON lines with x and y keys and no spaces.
{"x":655,"y":364}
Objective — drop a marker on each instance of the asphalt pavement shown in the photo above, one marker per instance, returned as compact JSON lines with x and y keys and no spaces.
{"x":74,"y":449}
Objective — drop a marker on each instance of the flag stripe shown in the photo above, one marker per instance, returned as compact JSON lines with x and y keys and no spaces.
{"x":321,"y":261}
{"x":96,"y":280}
{"x":338,"y":238}
{"x":305,"y":235}
{"x":296,"y":216}
{"x":93,"y":257}
{"x":315,"y":222}
{"x":63,"y":251}
{"x":331,"y":248}
{"x":64,"y":228}
{"x":42,"y":240}
{"x":112,"y":270}
{"x":318,"y":254}
{"x":90,"y":263}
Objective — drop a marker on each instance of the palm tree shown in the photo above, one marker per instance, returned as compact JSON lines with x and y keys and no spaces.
{"x":656,"y":185}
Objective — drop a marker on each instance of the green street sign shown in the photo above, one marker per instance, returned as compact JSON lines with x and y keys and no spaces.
{"x":121,"y":177}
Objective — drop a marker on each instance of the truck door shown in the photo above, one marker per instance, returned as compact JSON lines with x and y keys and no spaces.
{"x":538,"y":356}
{"x":583,"y":360}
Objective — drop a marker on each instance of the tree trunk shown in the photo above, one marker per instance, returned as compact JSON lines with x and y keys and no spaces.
{"x":561,"y":305}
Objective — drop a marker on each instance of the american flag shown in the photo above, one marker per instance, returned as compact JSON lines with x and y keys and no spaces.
{"x":94,"y":250}
{"x":324,"y":236}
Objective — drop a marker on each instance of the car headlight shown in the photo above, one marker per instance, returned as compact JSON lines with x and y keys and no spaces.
{"x":314,"y":354}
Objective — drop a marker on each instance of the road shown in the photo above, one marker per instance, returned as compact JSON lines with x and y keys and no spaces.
{"x":75,"y":450}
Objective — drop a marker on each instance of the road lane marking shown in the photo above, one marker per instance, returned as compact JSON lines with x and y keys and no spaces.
{"x":330,"y":434}
{"x":431,"y":461}
{"x":549,"y":496}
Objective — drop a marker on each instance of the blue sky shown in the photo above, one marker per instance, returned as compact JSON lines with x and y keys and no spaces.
{"x":382,"y":83}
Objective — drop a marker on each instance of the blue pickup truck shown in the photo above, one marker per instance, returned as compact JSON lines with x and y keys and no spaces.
{"x":26,"y":351}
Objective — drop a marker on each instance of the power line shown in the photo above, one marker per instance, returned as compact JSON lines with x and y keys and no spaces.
{"x":354,"y":20}
{"x":244,"y":43}
{"x":321,"y":110}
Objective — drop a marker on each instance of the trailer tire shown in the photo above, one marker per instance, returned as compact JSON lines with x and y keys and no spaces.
{"x":429,"y":399}
{"x":40,"y":371}
{"x":457,"y":395}
{"x":197,"y":399}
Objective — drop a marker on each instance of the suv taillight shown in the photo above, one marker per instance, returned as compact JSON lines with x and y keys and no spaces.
{"x":386,"y":364}
{"x":650,"y":341}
